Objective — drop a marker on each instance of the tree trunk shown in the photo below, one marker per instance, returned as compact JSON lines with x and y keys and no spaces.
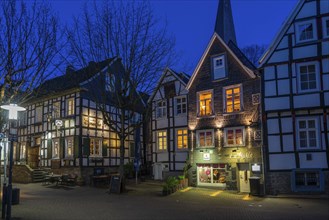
{"x":122,"y":149}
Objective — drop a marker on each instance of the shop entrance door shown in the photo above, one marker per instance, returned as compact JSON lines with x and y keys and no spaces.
{"x":244,"y":181}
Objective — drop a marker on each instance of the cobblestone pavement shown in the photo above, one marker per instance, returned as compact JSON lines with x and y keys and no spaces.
{"x":144,"y":201}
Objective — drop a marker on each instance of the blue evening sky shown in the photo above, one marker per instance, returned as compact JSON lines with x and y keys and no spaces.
{"x":192,"y":22}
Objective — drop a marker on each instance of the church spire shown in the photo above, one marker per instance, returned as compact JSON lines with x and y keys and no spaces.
{"x":224,"y":22}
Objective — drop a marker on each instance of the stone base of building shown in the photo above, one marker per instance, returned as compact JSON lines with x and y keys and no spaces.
{"x":299,"y":181}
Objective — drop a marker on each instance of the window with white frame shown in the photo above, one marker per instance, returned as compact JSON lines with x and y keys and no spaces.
{"x":234,"y":136}
{"x":69,"y":147}
{"x":55,"y":148}
{"x":307,"y":76}
{"x":205,"y":138}
{"x":219,"y":67}
{"x":162,"y":140}
{"x":38,"y":114}
{"x":181,"y":105}
{"x":161,"y":109}
{"x":181,"y":139}
{"x":95,"y":147}
{"x":70,"y":106}
{"x":205,"y":103}
{"x":233,"y":99}
{"x":325,"y":25}
{"x":308,"y":133}
{"x":305,"y":31}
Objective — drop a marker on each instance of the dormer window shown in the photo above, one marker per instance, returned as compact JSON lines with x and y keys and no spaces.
{"x":218,"y":67}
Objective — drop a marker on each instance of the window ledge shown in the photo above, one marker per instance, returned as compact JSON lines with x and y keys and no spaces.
{"x":69,"y":158}
{"x":207,"y":116}
{"x":235,"y":146}
{"x":233,"y":113}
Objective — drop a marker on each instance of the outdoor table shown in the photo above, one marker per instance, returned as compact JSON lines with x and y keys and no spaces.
{"x":52,"y":178}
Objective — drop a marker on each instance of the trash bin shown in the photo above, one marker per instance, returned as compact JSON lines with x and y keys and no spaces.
{"x":15,"y":196}
{"x":254,"y":185}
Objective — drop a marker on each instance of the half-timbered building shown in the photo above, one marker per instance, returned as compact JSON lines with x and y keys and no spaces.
{"x":63,"y":128}
{"x":169,"y":124}
{"x":295,"y":82}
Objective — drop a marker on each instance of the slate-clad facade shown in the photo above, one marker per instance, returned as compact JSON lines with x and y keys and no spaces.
{"x":295,"y":82}
{"x":224,"y":114}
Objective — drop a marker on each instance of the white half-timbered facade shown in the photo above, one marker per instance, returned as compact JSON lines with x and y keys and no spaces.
{"x":169,"y":123}
{"x":295,"y":82}
{"x":63,"y":128}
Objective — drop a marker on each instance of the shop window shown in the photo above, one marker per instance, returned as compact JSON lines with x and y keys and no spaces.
{"x":95,"y":147}
{"x":55,"y":148}
{"x":307,"y":180}
{"x":69,"y":147}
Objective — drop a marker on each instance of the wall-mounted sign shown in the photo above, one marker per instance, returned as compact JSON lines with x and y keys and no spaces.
{"x":255,"y":167}
{"x":206,"y":156}
{"x":59,"y":123}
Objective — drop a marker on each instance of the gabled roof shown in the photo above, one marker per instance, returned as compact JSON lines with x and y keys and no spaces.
{"x":248,"y":69}
{"x":72,"y":79}
{"x":182,"y":77}
{"x":224,"y":26}
{"x":267,"y":54}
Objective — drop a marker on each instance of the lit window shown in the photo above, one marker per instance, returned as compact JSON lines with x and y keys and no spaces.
{"x":162,"y":140}
{"x":205,"y":102}
{"x":95,"y":147}
{"x":218,"y":65}
{"x":234,"y":136}
{"x":305,"y":31}
{"x":70,"y":106}
{"x":307,"y":76}
{"x":182,"y":139}
{"x":161,"y":109}
{"x":233,"y":99}
{"x":181,"y":105}
{"x":325,"y":25}
{"x":23,"y":151}
{"x":69,"y":147}
{"x":205,"y":138}
{"x":55,"y":148}
{"x":308,"y":136}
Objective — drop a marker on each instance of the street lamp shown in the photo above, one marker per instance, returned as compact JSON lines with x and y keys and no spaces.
{"x":7,"y":197}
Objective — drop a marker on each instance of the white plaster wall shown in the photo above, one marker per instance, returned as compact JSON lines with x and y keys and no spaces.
{"x":272,"y":126}
{"x":324,"y":6}
{"x":319,"y":160}
{"x":308,"y":9}
{"x":270,"y":88}
{"x":276,"y":103}
{"x":282,"y":71}
{"x":325,"y":48}
{"x":284,"y":43}
{"x":163,"y":156}
{"x":274,"y":143}
{"x":307,"y":100}
{"x":307,"y":51}
{"x":181,"y":156}
{"x":168,"y":78}
{"x":162,"y":123}
{"x":288,"y":143}
{"x":326,"y":98}
{"x":269,"y":73}
{"x":282,"y":161}
{"x":181,"y":120}
{"x":283,"y":87}
{"x":279,"y":56}
{"x":286,"y":125}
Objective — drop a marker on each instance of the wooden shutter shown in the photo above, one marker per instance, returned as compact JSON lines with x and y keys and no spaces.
{"x":76,"y":146}
{"x":62,"y":147}
{"x":86,"y":147}
{"x":104,"y":149}
{"x":49,"y":149}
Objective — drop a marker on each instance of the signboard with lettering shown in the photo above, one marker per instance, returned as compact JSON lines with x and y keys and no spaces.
{"x":206,"y":156}
{"x":115,"y":184}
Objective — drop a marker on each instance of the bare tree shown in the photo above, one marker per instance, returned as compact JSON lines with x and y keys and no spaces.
{"x":254,"y":52}
{"x":28,"y":48}
{"x":128,"y":30}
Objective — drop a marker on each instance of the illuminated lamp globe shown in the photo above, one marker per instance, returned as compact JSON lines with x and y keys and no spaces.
{"x":13,"y":109}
